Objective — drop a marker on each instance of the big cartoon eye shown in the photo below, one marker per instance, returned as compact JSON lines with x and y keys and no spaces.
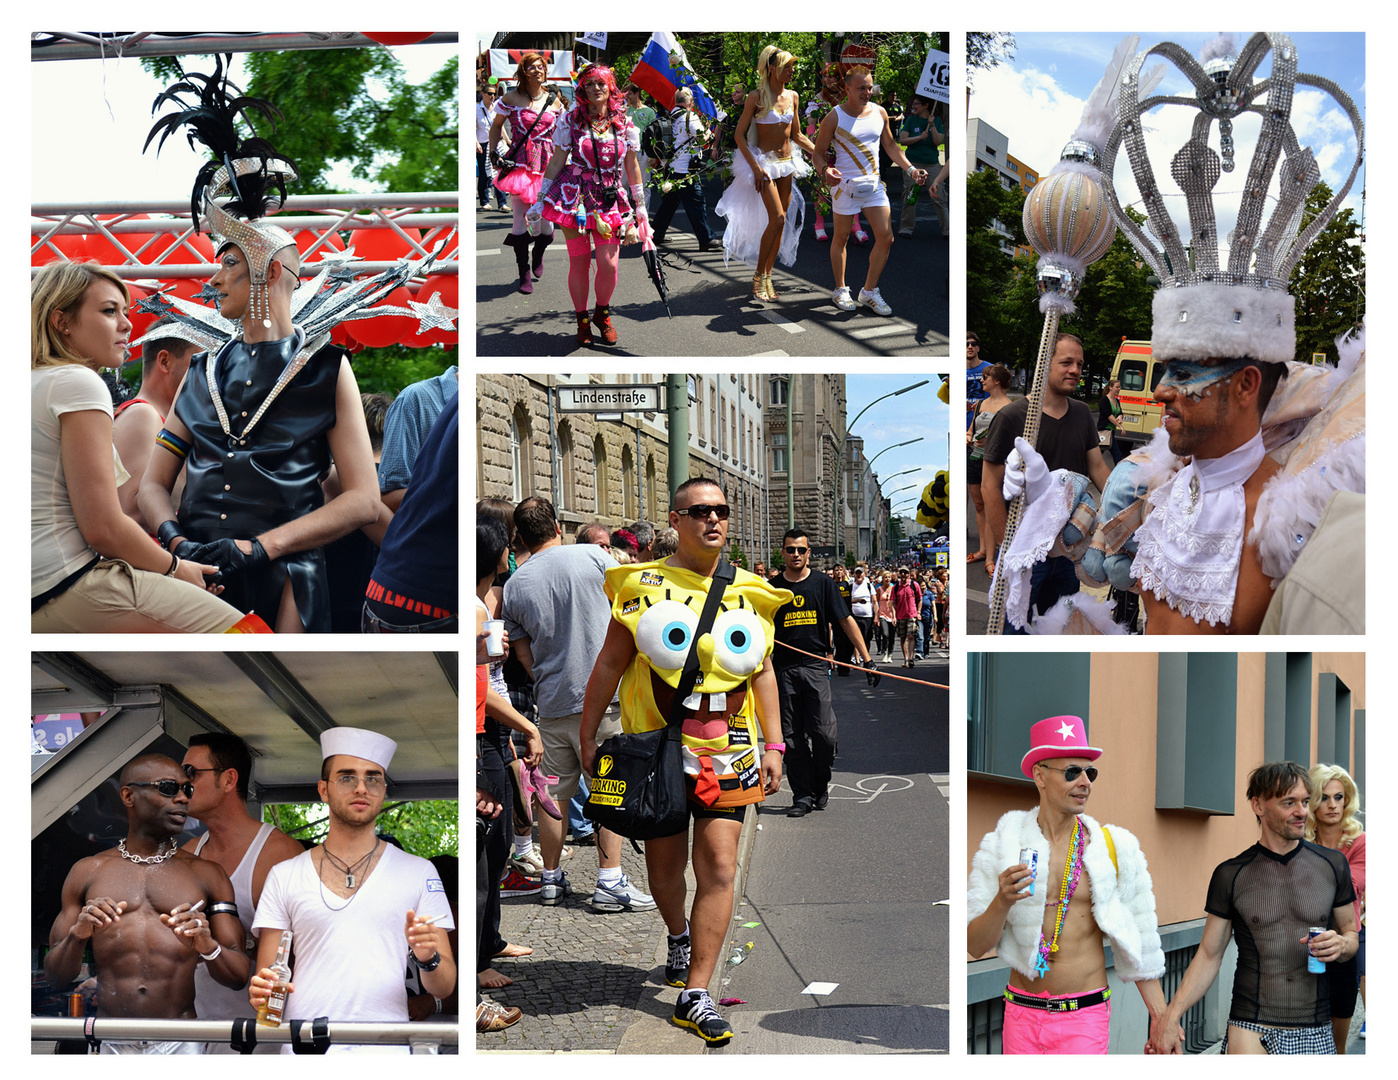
{"x":664,"y":633}
{"x":738,"y":641}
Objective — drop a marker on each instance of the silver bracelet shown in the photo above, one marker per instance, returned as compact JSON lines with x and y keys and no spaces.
{"x":213,"y":955}
{"x":438,"y":1001}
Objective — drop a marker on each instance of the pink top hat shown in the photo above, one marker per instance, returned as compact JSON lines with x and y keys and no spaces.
{"x":1058,"y":736}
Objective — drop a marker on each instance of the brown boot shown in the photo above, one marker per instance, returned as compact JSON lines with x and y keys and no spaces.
{"x":584,"y":329}
{"x":602,"y":316}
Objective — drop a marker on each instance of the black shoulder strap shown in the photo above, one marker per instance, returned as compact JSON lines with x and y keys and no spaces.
{"x":723,"y":577}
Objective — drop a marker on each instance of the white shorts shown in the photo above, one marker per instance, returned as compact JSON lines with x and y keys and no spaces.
{"x":846,"y":200}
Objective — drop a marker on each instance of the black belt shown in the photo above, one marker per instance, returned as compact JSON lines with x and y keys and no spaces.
{"x":1059,"y":1005}
{"x":62,"y":587}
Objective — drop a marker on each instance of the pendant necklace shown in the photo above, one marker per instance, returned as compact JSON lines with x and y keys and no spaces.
{"x":349,"y":871}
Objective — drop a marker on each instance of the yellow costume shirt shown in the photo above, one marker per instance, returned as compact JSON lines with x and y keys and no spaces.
{"x":661,"y":605}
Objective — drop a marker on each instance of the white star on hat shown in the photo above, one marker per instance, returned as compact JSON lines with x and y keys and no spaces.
{"x":1067,"y":731}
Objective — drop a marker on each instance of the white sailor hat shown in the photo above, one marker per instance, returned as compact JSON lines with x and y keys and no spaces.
{"x":357,"y":742}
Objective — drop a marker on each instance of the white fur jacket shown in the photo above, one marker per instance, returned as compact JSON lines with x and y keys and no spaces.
{"x":1123,"y":903}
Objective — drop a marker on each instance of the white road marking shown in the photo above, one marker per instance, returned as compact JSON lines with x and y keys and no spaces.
{"x":774,"y":352}
{"x":780,"y":320}
{"x":882,"y":330}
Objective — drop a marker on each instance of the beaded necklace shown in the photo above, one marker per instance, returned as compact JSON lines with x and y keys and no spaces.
{"x":1072,"y":871}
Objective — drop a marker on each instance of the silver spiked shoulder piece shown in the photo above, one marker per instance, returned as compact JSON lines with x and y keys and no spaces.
{"x":1225,"y":299}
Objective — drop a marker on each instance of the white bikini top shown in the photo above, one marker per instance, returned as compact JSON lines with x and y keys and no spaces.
{"x":776,"y":117}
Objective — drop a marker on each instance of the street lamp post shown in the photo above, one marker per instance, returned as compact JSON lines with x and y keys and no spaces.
{"x":840,"y":453}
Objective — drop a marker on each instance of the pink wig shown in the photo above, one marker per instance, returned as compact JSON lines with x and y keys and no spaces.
{"x":616,"y":100}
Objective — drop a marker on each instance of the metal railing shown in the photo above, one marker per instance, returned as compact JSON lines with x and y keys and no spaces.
{"x":421,"y":1037}
{"x":321,"y":214}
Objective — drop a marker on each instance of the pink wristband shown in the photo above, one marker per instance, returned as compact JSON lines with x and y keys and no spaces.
{"x":779,"y":747}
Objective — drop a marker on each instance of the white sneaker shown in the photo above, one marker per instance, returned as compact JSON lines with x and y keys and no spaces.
{"x":530,"y":865}
{"x":871,"y":298}
{"x":623,"y":896}
{"x":842,"y":299}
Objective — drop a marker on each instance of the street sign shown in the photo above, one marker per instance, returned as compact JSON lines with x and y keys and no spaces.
{"x":606,"y":398}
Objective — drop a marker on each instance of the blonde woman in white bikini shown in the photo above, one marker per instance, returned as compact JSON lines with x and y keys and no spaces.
{"x":856,"y":128}
{"x":763,"y":206}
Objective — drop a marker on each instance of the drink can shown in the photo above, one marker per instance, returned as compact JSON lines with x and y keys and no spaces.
{"x":1313,"y":965}
{"x":75,"y":1004}
{"x":1030,"y":857}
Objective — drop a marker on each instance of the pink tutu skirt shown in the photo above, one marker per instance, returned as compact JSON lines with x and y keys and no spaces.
{"x":521,"y":182}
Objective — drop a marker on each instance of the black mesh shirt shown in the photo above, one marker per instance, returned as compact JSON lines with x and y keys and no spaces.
{"x":1271,"y":899}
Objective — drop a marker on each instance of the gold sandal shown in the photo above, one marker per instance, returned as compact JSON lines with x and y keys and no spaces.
{"x":771,"y":289}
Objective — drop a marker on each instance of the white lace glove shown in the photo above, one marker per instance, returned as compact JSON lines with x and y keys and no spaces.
{"x":1025,"y":470}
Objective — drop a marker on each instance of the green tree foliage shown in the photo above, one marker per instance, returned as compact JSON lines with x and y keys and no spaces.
{"x":990,"y":274}
{"x":736,"y":556}
{"x":985,"y":50}
{"x":1114,"y":304}
{"x":354,"y":107}
{"x":1328,"y":281}
{"x":427,"y":827}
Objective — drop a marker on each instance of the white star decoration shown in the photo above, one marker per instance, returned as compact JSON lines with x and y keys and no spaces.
{"x":1067,"y":731}
{"x":434,"y":315}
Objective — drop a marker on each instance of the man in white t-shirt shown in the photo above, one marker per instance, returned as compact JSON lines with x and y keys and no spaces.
{"x":355,"y":905}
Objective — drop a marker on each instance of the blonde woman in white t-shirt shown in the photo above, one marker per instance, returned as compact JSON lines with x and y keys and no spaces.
{"x":93,"y":568}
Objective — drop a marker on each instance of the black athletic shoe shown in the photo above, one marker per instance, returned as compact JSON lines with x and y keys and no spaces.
{"x":701,"y":1017}
{"x":677,"y":963}
{"x":799,"y":809}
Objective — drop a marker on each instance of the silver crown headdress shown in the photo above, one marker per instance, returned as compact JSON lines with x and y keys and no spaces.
{"x":252,"y":171}
{"x":1205,"y":309}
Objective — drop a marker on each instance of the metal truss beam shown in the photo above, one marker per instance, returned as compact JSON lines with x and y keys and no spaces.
{"x":72,"y":45}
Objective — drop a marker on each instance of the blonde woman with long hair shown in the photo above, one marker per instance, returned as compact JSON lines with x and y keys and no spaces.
{"x":1333,"y":821}
{"x":92,"y":568}
{"x":763,"y":205}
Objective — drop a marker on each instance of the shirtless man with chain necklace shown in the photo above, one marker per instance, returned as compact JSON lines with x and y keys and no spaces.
{"x":152,"y":912}
{"x":1048,"y":925}
{"x":351,"y":902}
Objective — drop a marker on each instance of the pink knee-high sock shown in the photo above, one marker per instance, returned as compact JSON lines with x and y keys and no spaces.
{"x":608,"y":255}
{"x":579,"y":265}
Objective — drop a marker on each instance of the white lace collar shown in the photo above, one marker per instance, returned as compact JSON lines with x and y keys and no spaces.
{"x":1192,"y":541}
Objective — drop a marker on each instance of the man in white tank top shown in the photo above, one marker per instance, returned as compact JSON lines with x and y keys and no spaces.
{"x":856,"y":128}
{"x":219,"y":766}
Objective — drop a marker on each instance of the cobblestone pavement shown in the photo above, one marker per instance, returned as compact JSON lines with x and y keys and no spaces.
{"x":591,"y":976}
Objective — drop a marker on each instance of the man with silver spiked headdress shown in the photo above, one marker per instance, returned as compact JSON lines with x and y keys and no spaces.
{"x":1255,"y":451}
{"x":259,"y":419}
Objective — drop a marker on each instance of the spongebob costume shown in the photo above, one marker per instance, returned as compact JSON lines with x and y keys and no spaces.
{"x":660,"y":606}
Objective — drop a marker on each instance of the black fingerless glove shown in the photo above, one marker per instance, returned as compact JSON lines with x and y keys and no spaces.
{"x":871,"y":673}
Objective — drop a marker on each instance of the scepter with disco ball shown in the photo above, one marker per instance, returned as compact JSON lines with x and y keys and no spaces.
{"x":1067,"y":221}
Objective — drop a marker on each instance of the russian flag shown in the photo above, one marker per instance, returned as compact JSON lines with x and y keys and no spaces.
{"x":657,"y":78}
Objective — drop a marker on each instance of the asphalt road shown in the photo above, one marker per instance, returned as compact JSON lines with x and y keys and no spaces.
{"x":712,"y":307}
{"x":849,"y":895}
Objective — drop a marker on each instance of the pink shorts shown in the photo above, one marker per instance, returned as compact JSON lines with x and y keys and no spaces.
{"x":1037,"y":1031}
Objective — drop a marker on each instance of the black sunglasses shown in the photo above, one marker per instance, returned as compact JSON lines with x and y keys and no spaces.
{"x":797,"y":551}
{"x":1072,"y":772}
{"x":168,"y":788}
{"x":701,"y":511}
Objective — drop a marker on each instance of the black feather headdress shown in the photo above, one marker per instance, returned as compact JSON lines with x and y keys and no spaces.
{"x":209,"y":107}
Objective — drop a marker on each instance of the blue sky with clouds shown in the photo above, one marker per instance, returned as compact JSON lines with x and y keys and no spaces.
{"x":1036,"y":100}
{"x":896,"y":419}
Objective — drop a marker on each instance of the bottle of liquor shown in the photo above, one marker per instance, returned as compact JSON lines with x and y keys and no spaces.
{"x":270,"y":1013}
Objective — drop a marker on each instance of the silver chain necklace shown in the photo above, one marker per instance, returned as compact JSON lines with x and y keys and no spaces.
{"x":148,"y":859}
{"x":320,"y":880}
{"x":288,"y":373}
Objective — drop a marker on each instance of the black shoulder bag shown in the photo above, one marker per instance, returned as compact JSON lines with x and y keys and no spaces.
{"x":637,"y":788}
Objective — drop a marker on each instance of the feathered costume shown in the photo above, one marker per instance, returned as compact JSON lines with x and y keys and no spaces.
{"x":258,"y":412}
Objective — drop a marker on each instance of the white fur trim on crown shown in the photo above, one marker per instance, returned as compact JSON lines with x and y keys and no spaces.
{"x":357,"y":742}
{"x":1202,"y":322}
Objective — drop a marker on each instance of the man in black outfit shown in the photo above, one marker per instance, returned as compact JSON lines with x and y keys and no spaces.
{"x":1267,"y":898}
{"x":808,"y":723}
{"x":1067,"y":440}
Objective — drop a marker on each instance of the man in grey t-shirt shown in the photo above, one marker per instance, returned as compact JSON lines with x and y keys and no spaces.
{"x":557,"y":615}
